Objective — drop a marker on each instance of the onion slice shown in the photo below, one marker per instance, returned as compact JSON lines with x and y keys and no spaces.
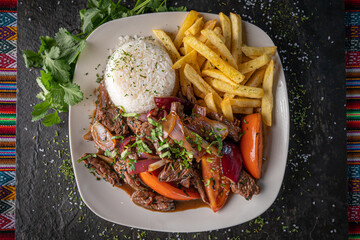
{"x":143,"y":166}
{"x":231,"y":161}
{"x":125,"y":142}
{"x":102,"y":137}
{"x":165,"y":102}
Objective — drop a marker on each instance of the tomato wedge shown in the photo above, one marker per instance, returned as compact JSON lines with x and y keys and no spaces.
{"x":251,"y":144}
{"x":166,"y":189}
{"x":217,"y":186}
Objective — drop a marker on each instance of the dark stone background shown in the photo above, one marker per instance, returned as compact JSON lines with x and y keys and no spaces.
{"x":312,"y":203}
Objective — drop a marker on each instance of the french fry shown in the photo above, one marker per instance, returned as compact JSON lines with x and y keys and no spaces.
{"x":267,"y":100}
{"x":210,"y":104}
{"x":189,"y":20}
{"x":187,"y":49}
{"x":199,"y":82}
{"x":196,"y":27}
{"x":208,"y":25}
{"x":241,"y":110}
{"x":208,"y":65}
{"x":236,"y":37}
{"x":169,"y":45}
{"x":227,"y":109}
{"x":215,"y":59}
{"x":228,"y":95}
{"x":226,"y":28}
{"x":182,"y":51}
{"x":239,"y":90}
{"x":246,"y":102}
{"x":183,"y":81}
{"x":214,"y":73}
{"x":254,"y":64}
{"x":256,"y":79}
{"x":198,"y":93}
{"x":254,"y":52}
{"x":220,"y":46}
{"x":219,"y":33}
{"x":188,"y":58}
{"x":247,"y":76}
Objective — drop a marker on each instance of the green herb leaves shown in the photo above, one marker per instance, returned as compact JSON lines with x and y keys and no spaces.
{"x":57,"y":56}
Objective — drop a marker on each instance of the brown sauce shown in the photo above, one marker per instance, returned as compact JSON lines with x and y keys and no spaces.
{"x":179,"y":205}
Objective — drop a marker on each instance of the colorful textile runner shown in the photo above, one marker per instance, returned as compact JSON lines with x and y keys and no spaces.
{"x":8,"y":34}
{"x":352,"y":50}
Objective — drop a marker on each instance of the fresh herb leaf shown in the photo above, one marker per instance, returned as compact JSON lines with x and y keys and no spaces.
{"x":32,"y":59}
{"x":72,"y":93}
{"x":51,"y":119}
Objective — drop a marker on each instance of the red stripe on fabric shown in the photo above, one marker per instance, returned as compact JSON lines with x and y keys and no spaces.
{"x":353,"y":105}
{"x":352,"y":59}
{"x":7,"y":129}
{"x":354,"y":214}
{"x":354,"y":227}
{"x":8,"y":3}
{"x":353,"y":124}
{"x":7,"y":235}
{"x":8,"y":108}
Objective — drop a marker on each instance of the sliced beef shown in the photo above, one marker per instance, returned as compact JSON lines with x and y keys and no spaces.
{"x":173,"y":171}
{"x":246,"y":186}
{"x":200,"y":126}
{"x":138,"y":127}
{"x":233,"y":127}
{"x":177,"y":108}
{"x":198,"y":184}
{"x":132,"y":179}
{"x":102,"y":168}
{"x":109,"y":115}
{"x":153,"y":201}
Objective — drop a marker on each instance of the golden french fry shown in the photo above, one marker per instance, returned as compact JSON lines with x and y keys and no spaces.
{"x":196,"y":27}
{"x":257,"y":78}
{"x":236,"y":37}
{"x":267,"y":100}
{"x":214,"y":73}
{"x":239,"y":90}
{"x":254,"y":52}
{"x":210,"y":103}
{"x":198,"y":93}
{"x":254,"y":64}
{"x":208,"y":65}
{"x":246,"y":102}
{"x":169,"y":45}
{"x":183,"y":81}
{"x":208,"y":25}
{"x":203,"y":86}
{"x":187,"y":49}
{"x":244,"y":59}
{"x":182,"y":51}
{"x":220,"y":46}
{"x":227,"y":109}
{"x":228,"y":95}
{"x":215,"y":59}
{"x":247,"y":76}
{"x":219,"y":33}
{"x":189,"y":20}
{"x":226,"y":28}
{"x":241,"y":110}
{"x":188,"y":58}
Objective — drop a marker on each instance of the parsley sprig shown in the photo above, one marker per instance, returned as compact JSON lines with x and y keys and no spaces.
{"x":57,"y":56}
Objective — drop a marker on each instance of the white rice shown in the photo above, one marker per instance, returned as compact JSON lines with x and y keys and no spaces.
{"x":138,"y":71}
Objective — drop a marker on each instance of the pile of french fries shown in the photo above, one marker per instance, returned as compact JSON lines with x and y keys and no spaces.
{"x":227,"y":76}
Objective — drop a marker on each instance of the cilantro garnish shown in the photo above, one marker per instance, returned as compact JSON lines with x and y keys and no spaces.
{"x":57,"y":56}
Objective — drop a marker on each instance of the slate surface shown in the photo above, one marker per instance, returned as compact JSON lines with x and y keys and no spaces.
{"x":312,"y":202}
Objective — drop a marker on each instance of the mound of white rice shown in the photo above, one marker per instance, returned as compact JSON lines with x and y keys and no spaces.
{"x":138,"y":71}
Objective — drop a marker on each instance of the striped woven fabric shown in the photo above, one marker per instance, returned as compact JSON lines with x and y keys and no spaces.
{"x":352,"y":48}
{"x":8,"y":35}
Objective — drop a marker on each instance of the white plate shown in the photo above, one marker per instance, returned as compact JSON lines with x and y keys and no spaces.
{"x":114,"y":204}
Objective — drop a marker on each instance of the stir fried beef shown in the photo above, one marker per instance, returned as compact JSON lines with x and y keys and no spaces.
{"x":109,"y":115}
{"x":178,"y":108}
{"x":153,"y":201}
{"x":198,"y":184}
{"x":246,"y":186}
{"x":138,"y":127}
{"x":173,"y":171}
{"x":200,"y":125}
{"x":102,"y":168}
{"x":233,"y":127}
{"x":132,"y":179}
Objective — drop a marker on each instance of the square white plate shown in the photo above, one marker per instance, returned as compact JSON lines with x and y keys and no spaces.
{"x":114,"y":204}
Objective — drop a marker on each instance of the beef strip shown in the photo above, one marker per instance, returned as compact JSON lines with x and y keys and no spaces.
{"x":132,"y":179}
{"x":174,"y":172}
{"x":233,"y":127}
{"x":177,"y":108}
{"x":200,"y":126}
{"x":102,"y":168}
{"x":109,"y":115}
{"x":152,"y":201}
{"x":138,"y":127}
{"x":198,"y":184}
{"x":246,"y":186}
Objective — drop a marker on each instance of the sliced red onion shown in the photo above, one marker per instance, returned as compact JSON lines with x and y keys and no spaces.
{"x":125,"y":142}
{"x":231,"y":161}
{"x":102,"y":137}
{"x":156,"y":165}
{"x":142,"y":165}
{"x":168,"y":124}
{"x":148,"y":156}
